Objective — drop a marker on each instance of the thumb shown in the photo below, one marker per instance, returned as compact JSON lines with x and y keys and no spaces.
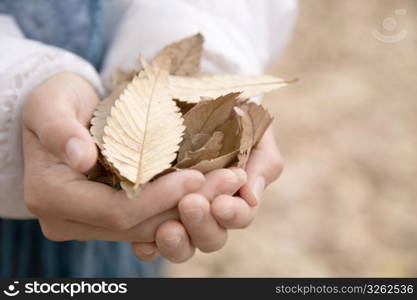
{"x":57,"y":112}
{"x":69,"y":141}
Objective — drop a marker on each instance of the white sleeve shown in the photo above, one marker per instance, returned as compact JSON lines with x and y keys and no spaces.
{"x":24,"y":64}
{"x":240,"y":36}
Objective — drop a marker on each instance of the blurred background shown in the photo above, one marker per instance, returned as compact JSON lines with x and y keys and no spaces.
{"x":346,"y":203}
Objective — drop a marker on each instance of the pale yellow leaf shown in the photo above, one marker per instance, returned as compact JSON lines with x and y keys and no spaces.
{"x":231,"y":135}
{"x":144,"y":129}
{"x":192,"y":89}
{"x":101,"y":113}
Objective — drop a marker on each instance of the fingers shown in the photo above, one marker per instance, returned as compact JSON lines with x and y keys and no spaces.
{"x":63,"y":230}
{"x":68,"y":140}
{"x":145,"y":251}
{"x":264,"y":166}
{"x":100,"y":205}
{"x":59,"y":192}
{"x":201,"y":226}
{"x":165,"y":192}
{"x":204,"y":231}
{"x":57,"y":112}
{"x":223,"y":181}
{"x":173,"y":242}
{"x":232,"y":212}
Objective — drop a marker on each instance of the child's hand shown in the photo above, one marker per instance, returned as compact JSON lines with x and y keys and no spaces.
{"x":58,"y":148}
{"x":206,"y":222}
{"x":198,"y":228}
{"x":264,"y":166}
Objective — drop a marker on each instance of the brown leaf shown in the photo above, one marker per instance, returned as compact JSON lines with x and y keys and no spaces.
{"x":253,"y":122}
{"x":207,"y":115}
{"x":211,"y":149}
{"x":224,"y":161}
{"x":199,"y":140}
{"x":185,"y":55}
{"x":204,"y":118}
{"x":261,"y":118}
{"x":99,"y":174}
{"x":192,"y":143}
{"x":184,"y":106}
{"x":138,"y":126}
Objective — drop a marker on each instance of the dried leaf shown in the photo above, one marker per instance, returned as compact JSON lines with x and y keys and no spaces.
{"x":129,"y":188}
{"x":199,"y":140}
{"x":164,"y":172}
{"x":224,"y":161}
{"x":211,"y":149}
{"x":231,"y":132}
{"x":191,"y":89}
{"x":144,"y":129}
{"x":101,"y":113}
{"x":225,"y":153}
{"x":138,"y":127}
{"x":104,"y":172}
{"x":184,"y":106}
{"x":253,"y":121}
{"x":185,"y":55}
{"x":261,"y":118}
{"x":204,"y":118}
{"x":99,"y":173}
{"x":192,"y":143}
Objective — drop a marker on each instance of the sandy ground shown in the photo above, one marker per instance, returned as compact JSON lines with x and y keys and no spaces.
{"x":346,"y":204}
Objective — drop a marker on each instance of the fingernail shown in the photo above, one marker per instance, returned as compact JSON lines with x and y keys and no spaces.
{"x":173,"y":242}
{"x":74,"y":151}
{"x":147,"y":249}
{"x":258,"y":188}
{"x":195,"y":215}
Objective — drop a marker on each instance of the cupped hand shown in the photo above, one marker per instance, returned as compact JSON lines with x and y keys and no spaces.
{"x":229,"y":199}
{"x":58,"y":149}
{"x":264,"y":166}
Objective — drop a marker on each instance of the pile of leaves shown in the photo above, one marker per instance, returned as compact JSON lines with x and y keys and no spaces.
{"x":166,"y":116}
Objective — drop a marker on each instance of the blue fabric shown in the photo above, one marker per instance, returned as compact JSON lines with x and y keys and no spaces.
{"x":75,"y":25}
{"x":25,"y":252}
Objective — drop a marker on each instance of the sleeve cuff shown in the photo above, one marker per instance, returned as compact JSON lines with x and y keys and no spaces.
{"x":16,"y":82}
